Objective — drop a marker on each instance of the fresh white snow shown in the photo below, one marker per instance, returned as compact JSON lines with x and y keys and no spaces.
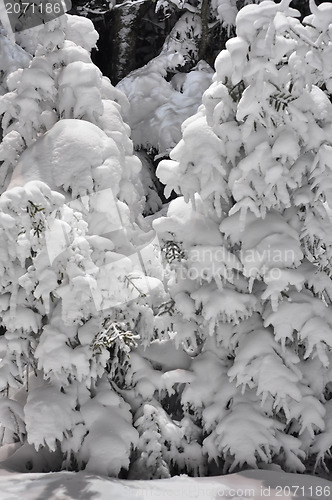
{"x":253,"y":485}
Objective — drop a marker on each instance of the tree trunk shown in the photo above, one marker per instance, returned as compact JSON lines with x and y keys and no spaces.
{"x":126,"y":22}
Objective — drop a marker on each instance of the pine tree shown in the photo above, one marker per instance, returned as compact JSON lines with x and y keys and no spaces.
{"x":251,"y":285}
{"x":76,"y":296}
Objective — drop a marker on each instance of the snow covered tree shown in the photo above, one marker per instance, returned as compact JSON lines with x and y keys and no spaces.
{"x":136,"y":30}
{"x":90,"y":373}
{"x":169,"y":88}
{"x":250,"y":244}
{"x":157,"y":106}
{"x":133,"y":32}
{"x":168,"y":439}
{"x":76,"y":293}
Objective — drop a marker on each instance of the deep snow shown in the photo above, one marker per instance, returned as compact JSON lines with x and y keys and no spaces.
{"x":253,"y":485}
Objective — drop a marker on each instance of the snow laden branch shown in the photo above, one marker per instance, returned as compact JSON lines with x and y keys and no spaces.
{"x":180,"y":5}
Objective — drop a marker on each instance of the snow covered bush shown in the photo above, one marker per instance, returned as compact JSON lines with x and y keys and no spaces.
{"x":250,"y":244}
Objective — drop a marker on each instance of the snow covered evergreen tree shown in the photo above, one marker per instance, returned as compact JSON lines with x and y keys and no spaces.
{"x":197,"y":29}
{"x":168,"y":89}
{"x":90,"y":373}
{"x":76,"y":295}
{"x":250,"y":244}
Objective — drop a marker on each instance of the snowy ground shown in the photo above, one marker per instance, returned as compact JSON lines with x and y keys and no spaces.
{"x":252,"y":485}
